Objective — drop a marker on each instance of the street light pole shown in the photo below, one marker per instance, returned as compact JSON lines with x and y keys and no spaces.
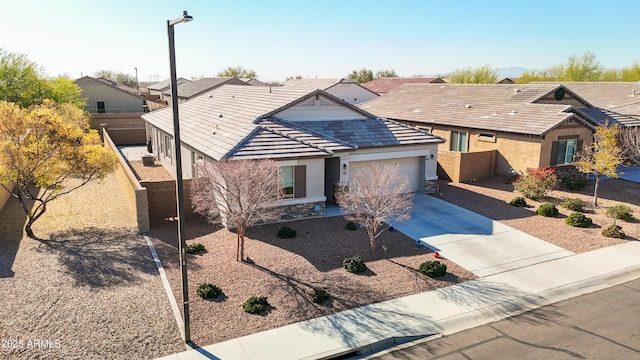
{"x":137,"y":86}
{"x":178,"y":157}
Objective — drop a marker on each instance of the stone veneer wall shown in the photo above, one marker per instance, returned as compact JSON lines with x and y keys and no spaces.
{"x":301,"y":211}
{"x":430,"y":186}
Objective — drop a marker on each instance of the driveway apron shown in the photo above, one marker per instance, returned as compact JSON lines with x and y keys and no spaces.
{"x":477,"y":243}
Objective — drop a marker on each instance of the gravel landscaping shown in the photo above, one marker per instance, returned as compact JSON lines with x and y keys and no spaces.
{"x":88,"y":290}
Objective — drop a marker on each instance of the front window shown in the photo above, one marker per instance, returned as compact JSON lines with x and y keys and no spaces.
{"x":458,"y":141}
{"x":286,"y":182}
{"x":566,"y":151}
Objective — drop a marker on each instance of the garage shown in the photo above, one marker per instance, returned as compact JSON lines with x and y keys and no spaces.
{"x":413,"y":167}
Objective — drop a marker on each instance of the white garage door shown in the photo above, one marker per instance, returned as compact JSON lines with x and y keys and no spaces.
{"x":410,"y":166}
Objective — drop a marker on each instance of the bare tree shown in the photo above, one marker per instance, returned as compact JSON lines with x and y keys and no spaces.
{"x":378,"y":194}
{"x":237,"y":193}
{"x":630,"y":141}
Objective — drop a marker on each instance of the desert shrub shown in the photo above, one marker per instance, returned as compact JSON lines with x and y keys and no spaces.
{"x":433,"y":269}
{"x":573,"y":204}
{"x":536,"y":183}
{"x":286,"y":232}
{"x":352,"y":226}
{"x":547,"y":209}
{"x":255,"y":304}
{"x":518,"y":201}
{"x":578,"y":220}
{"x":208,"y":291}
{"x":572,"y":178}
{"x":613,"y":231}
{"x":621,"y":212}
{"x":194,"y":248}
{"x":354,"y":264}
{"x":319,"y":295}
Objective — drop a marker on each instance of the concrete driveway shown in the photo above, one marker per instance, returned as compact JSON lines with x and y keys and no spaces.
{"x":477,"y":243}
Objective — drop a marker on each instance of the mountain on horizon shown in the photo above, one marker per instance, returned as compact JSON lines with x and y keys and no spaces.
{"x":510,"y":72}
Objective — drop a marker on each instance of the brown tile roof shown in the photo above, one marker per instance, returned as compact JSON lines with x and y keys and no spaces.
{"x":192,"y":89}
{"x":384,"y":85}
{"x":506,"y":108}
{"x":241,"y":121}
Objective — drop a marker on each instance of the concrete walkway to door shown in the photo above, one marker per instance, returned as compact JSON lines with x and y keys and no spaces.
{"x":477,"y":243}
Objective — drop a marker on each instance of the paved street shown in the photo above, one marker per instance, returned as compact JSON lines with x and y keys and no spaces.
{"x":600,"y":325}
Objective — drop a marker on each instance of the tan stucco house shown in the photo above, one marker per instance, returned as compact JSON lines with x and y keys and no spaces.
{"x":315,"y":137}
{"x":492,"y":129}
{"x":106,"y":97}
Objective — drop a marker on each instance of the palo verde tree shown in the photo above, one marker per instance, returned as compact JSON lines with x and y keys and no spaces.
{"x":42,"y":147}
{"x":387,"y":73}
{"x":603,"y":156}
{"x":378,"y":194}
{"x":237,"y":72}
{"x":361,"y":76}
{"x":23,"y":82}
{"x":577,"y":68}
{"x":237,"y":193}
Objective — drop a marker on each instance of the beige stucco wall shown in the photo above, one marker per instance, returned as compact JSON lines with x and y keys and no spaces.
{"x":351,"y":93}
{"x":116,"y":100}
{"x":572,"y":129}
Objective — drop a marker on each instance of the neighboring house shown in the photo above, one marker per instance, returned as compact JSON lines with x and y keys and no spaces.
{"x":382,"y":86}
{"x":254,"y":82}
{"x":161,"y":87}
{"x":315,"y":137}
{"x":492,"y":129}
{"x":192,"y":89}
{"x":107,"y":97}
{"x":344,"y":89}
{"x":507,"y":81}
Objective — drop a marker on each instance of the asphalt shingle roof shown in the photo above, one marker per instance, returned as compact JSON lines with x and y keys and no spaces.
{"x":506,"y":108}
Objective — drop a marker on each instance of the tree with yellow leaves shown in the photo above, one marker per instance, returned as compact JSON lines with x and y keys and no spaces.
{"x":44,"y":145}
{"x":603,"y":156}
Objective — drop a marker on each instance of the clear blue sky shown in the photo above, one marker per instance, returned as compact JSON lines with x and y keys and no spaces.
{"x":325,"y":38}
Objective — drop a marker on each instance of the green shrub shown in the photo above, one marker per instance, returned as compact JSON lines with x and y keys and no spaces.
{"x":613,"y":231}
{"x":518,"y":201}
{"x":319,"y":295}
{"x":547,"y":209}
{"x":354,"y":264}
{"x":578,"y":220}
{"x":208,"y":291}
{"x":572,"y":178}
{"x":573,"y":204}
{"x":194,"y":248}
{"x":352,"y":226}
{"x":286,"y":232}
{"x":433,"y":269}
{"x":621,"y":212}
{"x":255,"y":304}
{"x":536,"y":183}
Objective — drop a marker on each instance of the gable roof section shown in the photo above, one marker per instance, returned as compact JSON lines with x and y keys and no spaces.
{"x":323,"y":84}
{"x":108,"y":84}
{"x":505,"y":108}
{"x":241,"y":122}
{"x":384,"y":85}
{"x":165,"y":84}
{"x":621,"y":97}
{"x":194,"y":88}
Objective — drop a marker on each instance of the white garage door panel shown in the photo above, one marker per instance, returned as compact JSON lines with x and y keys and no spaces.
{"x":409,"y":166}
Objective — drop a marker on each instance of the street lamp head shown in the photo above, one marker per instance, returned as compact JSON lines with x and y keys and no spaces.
{"x":184,"y":18}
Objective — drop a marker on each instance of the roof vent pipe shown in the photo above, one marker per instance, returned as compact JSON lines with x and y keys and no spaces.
{"x":633,"y":92}
{"x":468,"y":106}
{"x":516,"y":90}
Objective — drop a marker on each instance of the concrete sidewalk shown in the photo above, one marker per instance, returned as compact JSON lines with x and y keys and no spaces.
{"x":439,"y":312}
